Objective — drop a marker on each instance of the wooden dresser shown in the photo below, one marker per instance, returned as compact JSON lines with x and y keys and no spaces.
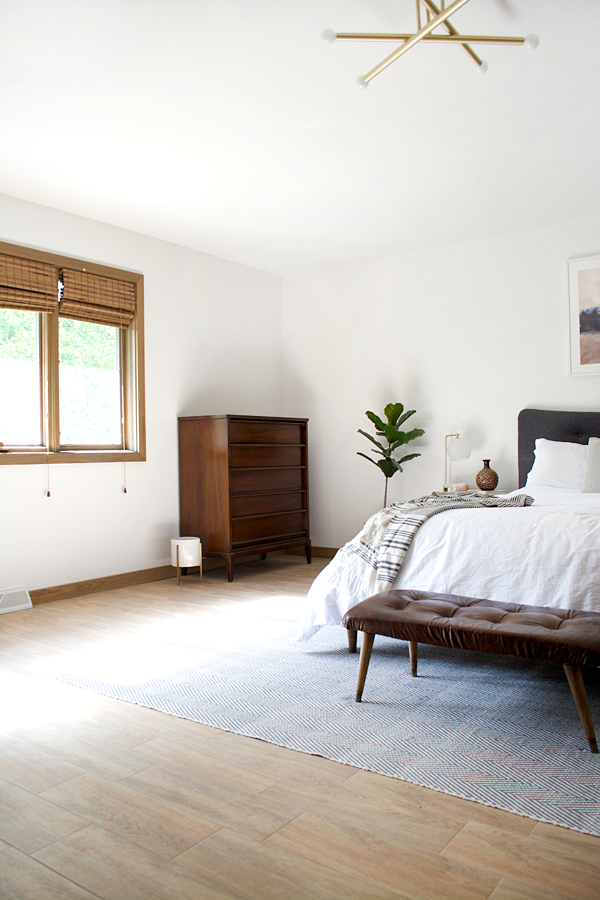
{"x":243,"y":484}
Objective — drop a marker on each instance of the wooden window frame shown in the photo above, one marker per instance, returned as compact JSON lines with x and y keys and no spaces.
{"x":132,"y":376}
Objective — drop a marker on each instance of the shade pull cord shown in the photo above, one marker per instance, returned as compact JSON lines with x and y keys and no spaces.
{"x":47,"y":462}
{"x":124,"y":477}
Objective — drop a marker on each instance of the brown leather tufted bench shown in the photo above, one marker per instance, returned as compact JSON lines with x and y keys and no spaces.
{"x":566,"y":636}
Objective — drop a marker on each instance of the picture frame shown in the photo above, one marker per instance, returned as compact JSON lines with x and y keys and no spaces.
{"x":584,"y":315}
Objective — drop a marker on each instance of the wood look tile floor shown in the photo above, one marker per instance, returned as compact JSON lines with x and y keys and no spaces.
{"x":105,"y":799}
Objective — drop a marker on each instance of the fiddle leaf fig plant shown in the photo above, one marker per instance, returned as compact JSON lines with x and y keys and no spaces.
{"x":390,"y":432}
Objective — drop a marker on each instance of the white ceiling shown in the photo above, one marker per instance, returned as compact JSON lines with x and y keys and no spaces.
{"x":231,"y":128}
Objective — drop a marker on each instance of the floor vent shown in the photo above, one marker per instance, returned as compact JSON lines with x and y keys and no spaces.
{"x":16,"y":598}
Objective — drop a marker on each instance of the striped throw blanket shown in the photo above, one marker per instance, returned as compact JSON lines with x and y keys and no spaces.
{"x":376,"y":554}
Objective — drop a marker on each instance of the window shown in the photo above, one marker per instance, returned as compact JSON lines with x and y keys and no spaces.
{"x":71,"y":360}
{"x":90,"y":412}
{"x":20,"y":383}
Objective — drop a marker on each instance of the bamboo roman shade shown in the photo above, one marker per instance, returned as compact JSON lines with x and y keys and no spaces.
{"x":27,"y":285}
{"x":92,"y":298}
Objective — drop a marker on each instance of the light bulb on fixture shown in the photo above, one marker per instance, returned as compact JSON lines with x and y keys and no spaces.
{"x":328,"y":36}
{"x":361,"y":82}
{"x":482,"y":69}
{"x":531,"y":42}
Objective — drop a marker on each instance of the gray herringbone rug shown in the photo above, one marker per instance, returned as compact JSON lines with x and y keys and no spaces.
{"x":500,"y":731}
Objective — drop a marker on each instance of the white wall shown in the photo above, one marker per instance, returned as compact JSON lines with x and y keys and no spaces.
{"x":213,"y":345}
{"x":467,"y":334}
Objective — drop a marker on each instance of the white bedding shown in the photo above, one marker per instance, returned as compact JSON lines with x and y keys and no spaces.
{"x":547,"y":554}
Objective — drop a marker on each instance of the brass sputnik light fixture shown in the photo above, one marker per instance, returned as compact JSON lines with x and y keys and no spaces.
{"x":434,"y":17}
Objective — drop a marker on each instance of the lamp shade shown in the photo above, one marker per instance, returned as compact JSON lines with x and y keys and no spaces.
{"x":189,"y":551}
{"x":459,"y":449}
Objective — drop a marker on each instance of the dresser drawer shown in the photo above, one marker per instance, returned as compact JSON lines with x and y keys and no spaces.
{"x":242,"y":480}
{"x":255,"y":528}
{"x":253,"y":504}
{"x":256,"y":455}
{"x":249,"y":432}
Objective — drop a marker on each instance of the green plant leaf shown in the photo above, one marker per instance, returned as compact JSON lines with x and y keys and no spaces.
{"x":390,"y":432}
{"x":406,"y":415}
{"x":388,"y":466}
{"x":410,"y":456}
{"x":375,"y":420}
{"x":401,"y":439}
{"x":415,"y":433}
{"x":375,"y":463}
{"x":393,"y":411}
{"x":372,"y":439}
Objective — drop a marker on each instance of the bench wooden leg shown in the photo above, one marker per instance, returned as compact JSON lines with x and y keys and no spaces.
{"x":366,"y":645}
{"x":352,"y":640}
{"x":577,"y":686}
{"x":412,"y":651}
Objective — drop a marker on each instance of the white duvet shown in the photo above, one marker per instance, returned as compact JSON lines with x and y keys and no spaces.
{"x":547,"y":554}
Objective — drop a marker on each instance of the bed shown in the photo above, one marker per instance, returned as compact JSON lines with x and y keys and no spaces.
{"x":546,"y":554}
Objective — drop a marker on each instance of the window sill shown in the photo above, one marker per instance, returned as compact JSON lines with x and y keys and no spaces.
{"x":36,"y":457}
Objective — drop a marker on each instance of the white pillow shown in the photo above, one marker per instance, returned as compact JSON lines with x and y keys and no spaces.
{"x":558,"y":465}
{"x":591,"y":480}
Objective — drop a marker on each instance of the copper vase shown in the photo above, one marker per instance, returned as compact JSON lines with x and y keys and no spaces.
{"x":486,"y":479}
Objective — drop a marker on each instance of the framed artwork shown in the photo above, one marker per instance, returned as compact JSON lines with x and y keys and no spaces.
{"x":584,"y":315}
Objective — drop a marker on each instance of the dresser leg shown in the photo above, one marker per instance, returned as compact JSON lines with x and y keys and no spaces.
{"x":307,"y":552}
{"x":229,"y":562}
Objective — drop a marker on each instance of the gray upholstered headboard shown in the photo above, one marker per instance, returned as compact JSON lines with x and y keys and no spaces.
{"x":574,"y":427}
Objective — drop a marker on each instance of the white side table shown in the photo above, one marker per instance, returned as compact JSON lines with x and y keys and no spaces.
{"x":185,"y":552}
